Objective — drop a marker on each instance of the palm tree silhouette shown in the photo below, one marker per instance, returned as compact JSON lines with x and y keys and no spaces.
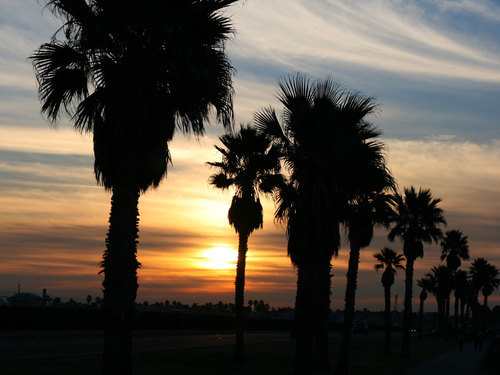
{"x":130,"y":73}
{"x":305,"y":203}
{"x":485,"y":278}
{"x":251,"y":164}
{"x":390,"y":261}
{"x":368,"y":207}
{"x":439,"y":285}
{"x":426,"y":284}
{"x":454,"y":248}
{"x":460,"y":285}
{"x":326,"y":143}
{"x":416,"y":222}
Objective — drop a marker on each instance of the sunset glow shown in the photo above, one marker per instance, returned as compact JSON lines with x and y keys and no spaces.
{"x":219,"y":258}
{"x":432,"y":66}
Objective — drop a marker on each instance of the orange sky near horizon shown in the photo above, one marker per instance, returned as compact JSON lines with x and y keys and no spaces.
{"x":432,"y":66}
{"x":56,"y":237}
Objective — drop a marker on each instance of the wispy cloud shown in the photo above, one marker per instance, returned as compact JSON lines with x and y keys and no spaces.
{"x":393,"y":36}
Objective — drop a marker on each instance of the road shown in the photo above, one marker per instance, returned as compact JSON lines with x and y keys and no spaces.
{"x":21,"y":345}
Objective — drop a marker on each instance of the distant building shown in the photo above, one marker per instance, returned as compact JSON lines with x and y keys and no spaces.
{"x":26,"y":300}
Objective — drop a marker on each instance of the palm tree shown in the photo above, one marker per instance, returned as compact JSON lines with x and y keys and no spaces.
{"x":485,"y":278}
{"x":390,"y":261}
{"x":439,"y":280}
{"x":364,"y":211}
{"x":416,"y":222}
{"x":130,"y":73}
{"x":426,"y":284}
{"x":460,"y":285}
{"x":454,"y":248}
{"x":251,"y":165}
{"x":322,"y":127}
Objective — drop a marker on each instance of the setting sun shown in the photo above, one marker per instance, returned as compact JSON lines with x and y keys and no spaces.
{"x":219,"y":258}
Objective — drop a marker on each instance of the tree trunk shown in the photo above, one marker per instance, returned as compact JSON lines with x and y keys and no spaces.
{"x":485,"y":300}
{"x":322,"y":357}
{"x":239,"y":353}
{"x":306,"y":319}
{"x":342,"y":367}
{"x":120,"y":281}
{"x":420,"y":318}
{"x":447,"y":316}
{"x":456,"y":311}
{"x":387,"y":313}
{"x":462,"y":308}
{"x":405,"y":345}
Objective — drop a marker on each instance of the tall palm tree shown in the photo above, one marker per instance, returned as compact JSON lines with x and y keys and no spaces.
{"x":389,"y":261}
{"x":251,"y":164}
{"x":416,"y":222}
{"x":129,"y":73}
{"x":364,"y":211}
{"x":426,"y":284}
{"x":322,"y":126}
{"x":485,"y":278}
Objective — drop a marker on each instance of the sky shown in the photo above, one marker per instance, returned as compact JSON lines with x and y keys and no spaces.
{"x":433,"y":66}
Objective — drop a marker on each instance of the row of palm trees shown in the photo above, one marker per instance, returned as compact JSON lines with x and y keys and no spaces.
{"x":482,"y":276}
{"x":335,"y":177}
{"x":131,"y":73}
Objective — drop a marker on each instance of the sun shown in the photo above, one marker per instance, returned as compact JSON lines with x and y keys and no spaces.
{"x":219,"y":258}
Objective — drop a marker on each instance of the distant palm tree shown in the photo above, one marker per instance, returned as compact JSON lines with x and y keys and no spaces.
{"x":454,"y":249}
{"x":130,"y":72}
{"x":251,"y":164}
{"x":439,"y":280}
{"x":425,"y":283}
{"x":460,"y":285}
{"x":390,"y":261}
{"x":416,"y":222}
{"x":322,"y":128}
{"x":485,"y":278}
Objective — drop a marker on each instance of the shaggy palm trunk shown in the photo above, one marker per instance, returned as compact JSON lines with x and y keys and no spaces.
{"x":462,"y":308}
{"x":420,"y":318}
{"x":405,"y":345}
{"x":306,"y":318}
{"x":350,"y":298}
{"x":387,"y":313}
{"x":239,"y":309}
{"x":120,"y":281}
{"x":485,"y":301}
{"x":322,"y":358}
{"x":456,"y":311}
{"x":447,"y":316}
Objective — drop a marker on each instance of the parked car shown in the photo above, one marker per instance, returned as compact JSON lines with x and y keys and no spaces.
{"x":359,"y":326}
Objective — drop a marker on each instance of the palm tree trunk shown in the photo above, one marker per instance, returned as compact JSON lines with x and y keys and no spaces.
{"x":405,"y":345}
{"x":239,"y":354}
{"x":342,"y":367}
{"x":462,"y":308}
{"x":387,"y":312}
{"x":306,"y":318}
{"x":456,"y":310}
{"x":420,"y":318}
{"x":485,"y":301}
{"x":447,"y":316}
{"x":120,"y":281}
{"x":322,"y":357}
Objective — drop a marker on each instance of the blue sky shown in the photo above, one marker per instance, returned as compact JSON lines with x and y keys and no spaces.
{"x":433,"y":66}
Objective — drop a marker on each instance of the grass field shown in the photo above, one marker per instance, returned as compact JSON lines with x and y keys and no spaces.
{"x":269,"y":358}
